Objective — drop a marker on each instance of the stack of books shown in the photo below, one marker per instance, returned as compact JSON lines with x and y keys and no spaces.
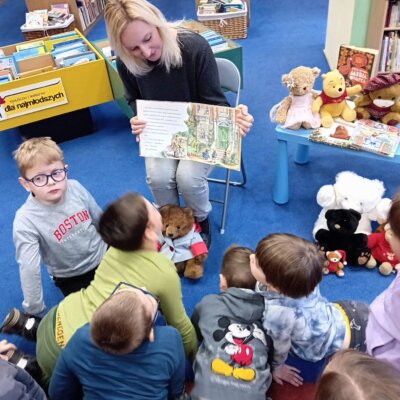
{"x":215,"y":40}
{"x":219,"y":6}
{"x":31,"y":58}
{"x":39,"y":19}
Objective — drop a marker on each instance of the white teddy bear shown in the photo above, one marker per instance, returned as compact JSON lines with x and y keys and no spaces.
{"x":353,"y":191}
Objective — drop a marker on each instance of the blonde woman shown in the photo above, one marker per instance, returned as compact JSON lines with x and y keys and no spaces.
{"x":159,"y":60}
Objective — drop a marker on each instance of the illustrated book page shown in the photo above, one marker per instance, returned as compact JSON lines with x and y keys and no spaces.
{"x":338,"y":134}
{"x":357,"y":64}
{"x":190,"y":131}
{"x":376,"y":137}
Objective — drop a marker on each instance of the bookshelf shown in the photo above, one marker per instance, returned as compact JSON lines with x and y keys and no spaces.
{"x":379,"y":27}
{"x":78,"y":86}
{"x":86,"y":12}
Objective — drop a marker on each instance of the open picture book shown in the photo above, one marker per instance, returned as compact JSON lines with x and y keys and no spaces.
{"x":190,"y":131}
{"x":364,"y":134}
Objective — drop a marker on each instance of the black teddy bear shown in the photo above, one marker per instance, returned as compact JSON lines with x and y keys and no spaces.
{"x":342,"y":224}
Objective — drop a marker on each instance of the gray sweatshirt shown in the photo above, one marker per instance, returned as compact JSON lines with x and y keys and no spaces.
{"x":232,"y":361}
{"x":64,"y":236}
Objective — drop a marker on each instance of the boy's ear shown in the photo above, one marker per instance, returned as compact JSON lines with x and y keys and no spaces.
{"x":24,"y":184}
{"x":223,"y":285}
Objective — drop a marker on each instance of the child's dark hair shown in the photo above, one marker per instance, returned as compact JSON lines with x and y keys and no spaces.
{"x":124,"y":222}
{"x":358,"y":376}
{"x":236,"y":267}
{"x":394,"y":215}
{"x":292,"y":265}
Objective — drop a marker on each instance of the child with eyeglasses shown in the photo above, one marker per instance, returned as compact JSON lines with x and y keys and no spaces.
{"x":121,"y":354}
{"x":57,"y":224}
{"x":131,"y":226}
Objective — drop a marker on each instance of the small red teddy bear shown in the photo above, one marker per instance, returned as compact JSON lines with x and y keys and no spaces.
{"x":336,"y":260}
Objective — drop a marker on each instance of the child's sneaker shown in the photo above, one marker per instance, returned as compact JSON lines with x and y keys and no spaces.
{"x":21,"y":324}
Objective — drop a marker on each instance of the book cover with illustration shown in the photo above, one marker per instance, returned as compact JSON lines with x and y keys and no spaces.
{"x":376,"y":137}
{"x":357,"y":64}
{"x":362,"y":135}
{"x":338,"y":134}
{"x":190,"y":131}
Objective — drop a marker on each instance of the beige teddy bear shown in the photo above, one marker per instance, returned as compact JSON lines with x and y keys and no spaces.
{"x":294,"y":111}
{"x":331,"y":102}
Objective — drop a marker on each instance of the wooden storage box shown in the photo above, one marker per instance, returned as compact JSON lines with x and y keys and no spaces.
{"x":30,"y":34}
{"x":232,"y":25}
{"x":84,"y":85}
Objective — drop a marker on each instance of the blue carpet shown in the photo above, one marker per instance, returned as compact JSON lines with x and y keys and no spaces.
{"x":283,"y":34}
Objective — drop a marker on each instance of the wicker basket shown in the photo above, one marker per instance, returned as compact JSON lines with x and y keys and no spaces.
{"x":232,"y":25}
{"x":31,"y":34}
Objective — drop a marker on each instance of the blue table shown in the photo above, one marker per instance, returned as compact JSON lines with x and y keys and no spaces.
{"x":280,"y":193}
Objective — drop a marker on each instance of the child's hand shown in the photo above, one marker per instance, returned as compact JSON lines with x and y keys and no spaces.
{"x":244,"y":119}
{"x":137,"y":126}
{"x":4,"y":347}
{"x":286,"y":373}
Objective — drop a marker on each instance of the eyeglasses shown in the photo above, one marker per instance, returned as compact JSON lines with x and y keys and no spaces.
{"x":144,"y":291}
{"x":41,"y":180}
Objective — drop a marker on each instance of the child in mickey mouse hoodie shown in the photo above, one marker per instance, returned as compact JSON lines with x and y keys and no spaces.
{"x":232,"y":360}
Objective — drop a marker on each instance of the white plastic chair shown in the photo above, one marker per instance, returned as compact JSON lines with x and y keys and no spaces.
{"x":229,"y":77}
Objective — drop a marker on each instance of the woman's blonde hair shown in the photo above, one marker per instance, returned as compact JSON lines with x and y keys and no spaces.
{"x":358,"y":376}
{"x":119,"y":13}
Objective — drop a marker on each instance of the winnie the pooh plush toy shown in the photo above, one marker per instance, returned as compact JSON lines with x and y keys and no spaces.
{"x":294,"y":111}
{"x":182,"y":242}
{"x":379,"y":100}
{"x":331,"y":102}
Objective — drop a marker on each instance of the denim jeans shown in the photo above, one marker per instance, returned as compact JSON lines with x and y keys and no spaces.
{"x":168,"y":178}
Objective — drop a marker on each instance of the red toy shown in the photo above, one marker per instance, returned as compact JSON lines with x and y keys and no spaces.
{"x":378,"y":242}
{"x":336,"y":260}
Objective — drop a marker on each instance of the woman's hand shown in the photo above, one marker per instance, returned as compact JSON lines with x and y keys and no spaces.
{"x":286,"y":373}
{"x":4,"y":347}
{"x":137,"y":126}
{"x":244,"y":119}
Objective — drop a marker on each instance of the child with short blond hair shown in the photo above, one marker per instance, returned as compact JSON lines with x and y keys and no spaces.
{"x":296,"y":316}
{"x":57,"y":224}
{"x":121,"y":354}
{"x":232,"y":361}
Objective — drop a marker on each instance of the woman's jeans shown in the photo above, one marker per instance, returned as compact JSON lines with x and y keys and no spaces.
{"x":168,"y":178}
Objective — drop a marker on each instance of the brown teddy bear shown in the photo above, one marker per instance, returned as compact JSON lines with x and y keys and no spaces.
{"x":379,"y":100}
{"x":182,"y":242}
{"x":335,"y":262}
{"x":331,"y":103}
{"x":294,"y":111}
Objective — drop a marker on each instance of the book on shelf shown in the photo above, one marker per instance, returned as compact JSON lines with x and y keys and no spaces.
{"x":190,"y":131}
{"x":362,"y":135}
{"x":216,"y":41}
{"x":390,"y":53}
{"x":357,"y":64}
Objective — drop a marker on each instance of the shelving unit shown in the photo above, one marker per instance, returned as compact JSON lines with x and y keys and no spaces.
{"x":89,"y":10}
{"x":377,"y":29}
{"x":347,"y":24}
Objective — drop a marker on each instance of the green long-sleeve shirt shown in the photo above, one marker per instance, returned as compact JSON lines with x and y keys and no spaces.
{"x":146,"y":269}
